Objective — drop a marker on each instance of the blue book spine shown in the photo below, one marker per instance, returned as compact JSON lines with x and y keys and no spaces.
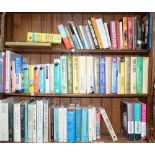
{"x":42,"y":79}
{"x":26,"y":122}
{"x":56,"y":124}
{"x":78,"y":124}
{"x":114,"y":74}
{"x":86,"y":36}
{"x":57,"y":76}
{"x":1,"y":71}
{"x":84,"y":128}
{"x":102,"y":76}
{"x":71,"y":126}
{"x":150,"y":27}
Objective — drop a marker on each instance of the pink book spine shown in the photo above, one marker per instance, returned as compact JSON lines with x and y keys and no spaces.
{"x":98,"y":119}
{"x":113,"y":35}
{"x":130,"y":34}
{"x":143,"y":127}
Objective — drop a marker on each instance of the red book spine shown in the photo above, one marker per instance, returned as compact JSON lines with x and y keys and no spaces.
{"x":4,"y":71}
{"x":113,"y":35}
{"x":130,"y":33}
{"x":67,"y":43}
{"x":118,"y":35}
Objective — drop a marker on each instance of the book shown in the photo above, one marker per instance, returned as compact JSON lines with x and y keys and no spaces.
{"x":121,"y":34}
{"x":85,"y":30}
{"x":107,"y":34}
{"x":94,"y":123}
{"x":118,"y":34}
{"x":130,"y":29}
{"x":31,"y":79}
{"x":143,"y":119}
{"x":36,"y":78}
{"x":56,"y":124}
{"x":22,"y":121}
{"x":90,"y":123}
{"x":51,"y":77}
{"x":34,"y":123}
{"x":1,"y":70}
{"x":118,"y":74}
{"x":47,"y":78}
{"x":42,"y":78}
{"x":122,"y":75}
{"x":139,"y":33}
{"x":26,"y":120}
{"x":45,"y":120}
{"x":26,"y":77}
{"x":98,"y":126}
{"x":125,"y":32}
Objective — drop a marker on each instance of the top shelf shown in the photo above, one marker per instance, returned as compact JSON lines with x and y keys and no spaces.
{"x":44,"y":48}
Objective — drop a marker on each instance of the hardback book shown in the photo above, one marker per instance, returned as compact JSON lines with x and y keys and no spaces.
{"x":122,"y":75}
{"x":127,"y":74}
{"x":139,"y":33}
{"x":107,"y":34}
{"x":143,"y":127}
{"x":98,"y":127}
{"x":118,"y":34}
{"x":42,"y":78}
{"x":139,"y":75}
{"x":96,"y":74}
{"x":114,"y":75}
{"x":78,"y":116}
{"x":97,"y":34}
{"x":47,"y":78}
{"x":102,"y":32}
{"x":69,"y":74}
{"x":71,"y":122}
{"x":125,"y":32}
{"x":57,"y":81}
{"x":130,"y":34}
{"x":26,"y":120}
{"x":145,"y":74}
{"x":82,"y":74}
{"x":51,"y":77}
{"x":112,"y":28}
{"x":22,"y":121}
{"x":31,"y":78}
{"x":121,"y":34}
{"x":76,"y":74}
{"x":84,"y":125}
{"x":26,"y":77}
{"x":108,"y":74}
{"x":133,"y":75}
{"x":63,"y":73}
{"x":137,"y":120}
{"x":90,"y":75}
{"x":64,"y":36}
{"x":102,"y":75}
{"x":34,"y":123}
{"x":36,"y":78}
{"x":56,"y":124}
{"x":90,"y":123}
{"x":127,"y":119}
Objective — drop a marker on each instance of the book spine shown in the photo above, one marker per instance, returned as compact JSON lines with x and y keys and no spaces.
{"x":26,"y":122}
{"x":63,"y":74}
{"x":64,"y":36}
{"x":90,"y":124}
{"x":118,"y":74}
{"x":13,"y":80}
{"x":1,"y":71}
{"x":86,"y":36}
{"x":42,"y":79}
{"x":56,"y":124}
{"x":61,"y":124}
{"x":31,"y":79}
{"x":143,"y":127}
{"x":26,"y":77}
{"x":130,"y":29}
{"x":22,"y":121}
{"x":51,"y":75}
{"x":107,"y":34}
{"x":4,"y":72}
{"x":34,"y":123}
{"x":98,"y":122}
{"x":57,"y":76}
{"x":94,"y":123}
{"x":118,"y":34}
{"x":135,"y":32}
{"x":121,"y":35}
{"x":30,"y":127}
{"x":102,"y":76}
{"x":52,"y":123}
{"x":125,"y":32}
{"x":65,"y":136}
{"x":10,"y":118}
{"x":47,"y":78}
{"x":36,"y":78}
{"x":114,"y":75}
{"x":139,"y":75}
{"x":122,"y":75}
{"x":45,"y":122}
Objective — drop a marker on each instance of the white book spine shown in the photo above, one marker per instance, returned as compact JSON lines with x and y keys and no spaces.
{"x":121,"y":35}
{"x":30,"y":127}
{"x":17,"y":124}
{"x":94,"y":122}
{"x":90,"y":37}
{"x":108,"y":74}
{"x":83,"y":36}
{"x":102,"y":32}
{"x":90,"y":124}
{"x":61,"y":129}
{"x":4,"y":122}
{"x":8,"y":72}
{"x":45,"y":121}
{"x":40,"y":121}
{"x":51,"y":78}
{"x":65,"y":124}
{"x":34,"y":123}
{"x":145,"y":74}
{"x":47,"y":79}
{"x":83,"y":82}
{"x":107,"y":34}
{"x":108,"y":124}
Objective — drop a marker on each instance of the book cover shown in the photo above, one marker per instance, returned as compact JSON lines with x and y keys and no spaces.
{"x":130,"y":34}
{"x":31,"y":78}
{"x":47,"y":78}
{"x":143,"y":127}
{"x":36,"y":78}
{"x":125,"y":32}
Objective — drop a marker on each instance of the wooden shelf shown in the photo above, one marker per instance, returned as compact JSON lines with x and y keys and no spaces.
{"x":79,"y":95}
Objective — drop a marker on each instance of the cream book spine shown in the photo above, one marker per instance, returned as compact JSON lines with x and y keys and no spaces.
{"x":65,"y":124}
{"x":46,"y":121}
{"x":30,"y":127}
{"x":90,"y":123}
{"x":94,"y":122}
{"x":34,"y":119}
{"x":51,"y":77}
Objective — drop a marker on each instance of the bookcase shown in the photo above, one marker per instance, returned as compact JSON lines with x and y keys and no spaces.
{"x":14,"y":27}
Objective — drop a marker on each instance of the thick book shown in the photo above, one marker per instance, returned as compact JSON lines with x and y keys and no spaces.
{"x":57,"y":81}
{"x":36,"y":78}
{"x":47,"y":78}
{"x":42,"y":78}
{"x":130,"y":33}
{"x":34,"y":123}
{"x":31,"y":78}
{"x":125,"y":32}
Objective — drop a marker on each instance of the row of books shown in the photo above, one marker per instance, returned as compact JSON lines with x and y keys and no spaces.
{"x":75,"y":74}
{"x":40,"y":121}
{"x":133,"y":120}
{"x":128,"y":33}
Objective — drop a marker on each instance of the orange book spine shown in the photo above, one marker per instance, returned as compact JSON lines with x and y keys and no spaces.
{"x":125,"y":30}
{"x":93,"y":20}
{"x":36,"y":79}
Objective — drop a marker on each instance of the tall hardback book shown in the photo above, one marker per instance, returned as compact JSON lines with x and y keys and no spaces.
{"x":122,"y":75}
{"x":102,"y":75}
{"x":75,"y":74}
{"x":82,"y":74}
{"x":143,"y":127}
{"x":31,"y":79}
{"x":69,"y":74}
{"x":127,"y":74}
{"x":97,"y":74}
{"x":57,"y":81}
{"x":130,"y":33}
{"x":125,"y":32}
{"x":47,"y":78}
{"x":42,"y":78}
{"x":90,"y":75}
{"x":64,"y":36}
{"x":36,"y":78}
{"x":133,"y":75}
{"x":63,"y":73}
{"x":139,"y":75}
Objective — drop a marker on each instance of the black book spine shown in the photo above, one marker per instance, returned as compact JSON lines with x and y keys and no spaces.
{"x":135,"y":32}
{"x":10,"y":108}
{"x":139,"y":34}
{"x":52,"y":124}
{"x":22,"y":119}
{"x":92,"y":33}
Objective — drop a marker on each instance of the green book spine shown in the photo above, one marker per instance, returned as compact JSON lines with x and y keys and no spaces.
{"x":139,"y":75}
{"x":69,"y":74}
{"x":97,"y":74}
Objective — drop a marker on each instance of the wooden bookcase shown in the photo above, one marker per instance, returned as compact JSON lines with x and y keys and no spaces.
{"x":15,"y":27}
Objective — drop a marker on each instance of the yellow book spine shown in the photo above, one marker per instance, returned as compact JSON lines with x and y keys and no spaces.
{"x":31,"y":79}
{"x":99,"y":40}
{"x":122,"y":76}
